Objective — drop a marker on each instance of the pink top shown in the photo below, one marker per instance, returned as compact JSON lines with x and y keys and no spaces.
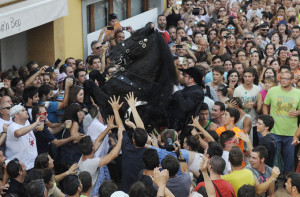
{"x":263,"y":94}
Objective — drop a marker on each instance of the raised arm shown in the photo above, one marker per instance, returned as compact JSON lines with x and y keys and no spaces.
{"x":116,"y":106}
{"x":132,"y":102}
{"x":263,"y":187}
{"x":246,"y":139}
{"x":31,"y":79}
{"x":265,"y":109}
{"x":100,"y":138}
{"x":115,"y":151}
{"x":27,"y":129}
{"x":64,"y":103}
{"x":209,"y":187}
{"x":200,"y":128}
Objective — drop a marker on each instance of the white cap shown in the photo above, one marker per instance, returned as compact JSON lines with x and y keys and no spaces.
{"x":119,"y":194}
{"x":15,"y":109}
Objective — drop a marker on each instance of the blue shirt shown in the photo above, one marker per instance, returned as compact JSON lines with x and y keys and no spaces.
{"x":163,"y":152}
{"x":51,"y":110}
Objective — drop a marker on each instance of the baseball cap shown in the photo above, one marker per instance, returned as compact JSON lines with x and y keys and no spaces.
{"x":15,"y":109}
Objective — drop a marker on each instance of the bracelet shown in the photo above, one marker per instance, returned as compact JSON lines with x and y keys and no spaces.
{"x":68,"y":173}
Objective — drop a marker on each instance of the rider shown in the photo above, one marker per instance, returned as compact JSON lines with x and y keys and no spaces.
{"x":185,"y":101}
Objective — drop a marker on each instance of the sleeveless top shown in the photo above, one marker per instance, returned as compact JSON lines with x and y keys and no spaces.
{"x":207,"y":125}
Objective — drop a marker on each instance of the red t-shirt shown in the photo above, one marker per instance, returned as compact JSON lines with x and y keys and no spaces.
{"x":165,"y":35}
{"x":224,"y":187}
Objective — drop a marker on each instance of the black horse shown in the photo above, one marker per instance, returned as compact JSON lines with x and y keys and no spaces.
{"x":147,"y":69}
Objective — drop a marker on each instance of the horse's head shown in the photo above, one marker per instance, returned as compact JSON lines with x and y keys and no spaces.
{"x":133,"y":47}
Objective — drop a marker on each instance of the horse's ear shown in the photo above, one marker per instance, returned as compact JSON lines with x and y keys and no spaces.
{"x":150,"y":28}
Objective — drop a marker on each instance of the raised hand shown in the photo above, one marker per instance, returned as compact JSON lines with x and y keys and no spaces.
{"x":129,"y":123}
{"x":195,"y":123}
{"x":110,"y":122}
{"x":130,"y":99}
{"x":160,"y":177}
{"x":204,"y":163}
{"x":120,"y":133}
{"x":115,"y":103}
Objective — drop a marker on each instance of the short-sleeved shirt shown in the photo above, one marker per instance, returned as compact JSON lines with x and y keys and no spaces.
{"x":238,"y":178}
{"x":282,"y":103}
{"x":261,"y":177}
{"x":223,"y":186}
{"x":2,"y":122}
{"x":91,"y":166}
{"x":162,"y":153}
{"x":43,"y":139}
{"x":52,"y":110}
{"x":248,"y":95}
{"x":132,"y":162}
{"x":236,"y":130}
{"x":23,"y":147}
{"x":179,"y":185}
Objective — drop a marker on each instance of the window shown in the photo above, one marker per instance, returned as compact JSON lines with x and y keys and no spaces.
{"x":120,"y":9}
{"x":97,"y":16}
{"x":136,"y":7}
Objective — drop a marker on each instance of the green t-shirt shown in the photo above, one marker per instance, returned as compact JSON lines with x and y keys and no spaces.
{"x":282,"y":103}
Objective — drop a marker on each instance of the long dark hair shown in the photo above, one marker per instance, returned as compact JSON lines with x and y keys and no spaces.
{"x":71,"y":112}
{"x":228,"y":75}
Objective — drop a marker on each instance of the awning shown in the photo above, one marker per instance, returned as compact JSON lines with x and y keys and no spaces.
{"x":28,"y":14}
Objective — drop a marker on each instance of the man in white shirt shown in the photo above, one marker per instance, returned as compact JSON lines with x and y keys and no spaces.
{"x":248,"y":92}
{"x":5,"y":120}
{"x":20,"y":141}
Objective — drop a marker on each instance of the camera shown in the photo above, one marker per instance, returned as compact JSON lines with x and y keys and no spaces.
{"x":178,"y":46}
{"x":183,"y":39}
{"x":124,"y":28}
{"x":110,"y":28}
{"x":170,"y":145}
{"x":196,"y":11}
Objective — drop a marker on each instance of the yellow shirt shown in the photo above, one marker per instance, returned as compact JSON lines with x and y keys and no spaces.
{"x":238,"y":178}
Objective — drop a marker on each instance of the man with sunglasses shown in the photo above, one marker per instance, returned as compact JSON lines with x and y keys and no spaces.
{"x":20,"y":141}
{"x":5,"y":120}
{"x":264,"y":31}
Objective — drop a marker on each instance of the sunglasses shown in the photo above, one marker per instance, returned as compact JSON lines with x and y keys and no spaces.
{"x":189,"y":4}
{"x":98,"y":47}
{"x":42,"y":114}
{"x":232,"y":141}
{"x":247,"y":38}
{"x":8,"y":108}
{"x":265,"y":29}
{"x":230,"y":27}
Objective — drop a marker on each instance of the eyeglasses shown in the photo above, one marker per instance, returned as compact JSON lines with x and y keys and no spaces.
{"x":247,"y":38}
{"x":42,"y":114}
{"x":232,"y":141}
{"x":230,"y":27}
{"x":98,"y":47}
{"x":287,"y":79}
{"x":8,"y":108}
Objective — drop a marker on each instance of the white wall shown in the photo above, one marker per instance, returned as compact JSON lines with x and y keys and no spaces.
{"x":14,"y":51}
{"x":136,"y":22}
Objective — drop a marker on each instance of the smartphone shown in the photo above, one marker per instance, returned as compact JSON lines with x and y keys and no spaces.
{"x":181,"y":59}
{"x":183,"y":39}
{"x":57,"y":62}
{"x":196,"y":11}
{"x":194,"y":47}
{"x":124,"y":28}
{"x":110,"y":28}
{"x":178,"y":46}
{"x":49,"y":70}
{"x":1,"y":85}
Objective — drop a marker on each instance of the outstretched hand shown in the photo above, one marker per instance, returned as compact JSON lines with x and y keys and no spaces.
{"x":130,"y":99}
{"x":195,"y":123}
{"x":115,"y":103}
{"x":110,"y":122}
{"x":160,"y":177}
{"x":204,"y":163}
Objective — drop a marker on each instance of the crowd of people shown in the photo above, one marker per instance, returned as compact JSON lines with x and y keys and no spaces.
{"x":233,"y":118}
